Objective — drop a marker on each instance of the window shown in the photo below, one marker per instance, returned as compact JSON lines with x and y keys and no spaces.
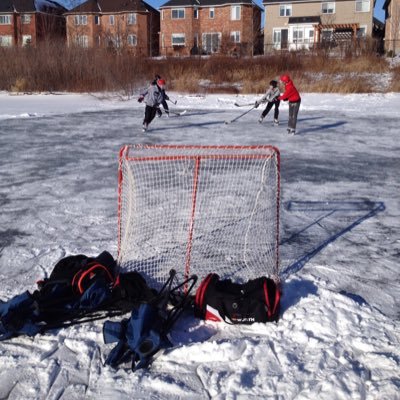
{"x":5,"y":19}
{"x":298,"y":35}
{"x":277,"y":37}
{"x":6,"y":40}
{"x":235,"y":37}
{"x":162,"y":14}
{"x":211,"y":42}
{"x":132,"y":19}
{"x":178,"y":13}
{"x":328,"y":8}
{"x":178,"y":39}
{"x":111,"y":19}
{"x":80,"y":19}
{"x":196,"y":13}
{"x":362,"y":32}
{"x":132,"y":40}
{"x":235,"y":13}
{"x":26,"y":40}
{"x":362,"y":5}
{"x":309,"y":36}
{"x":211,"y":13}
{"x":285,"y":10}
{"x":26,"y":18}
{"x":97,"y":19}
{"x":82,"y":40}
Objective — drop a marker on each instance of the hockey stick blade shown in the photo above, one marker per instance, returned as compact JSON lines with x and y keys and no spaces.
{"x":178,"y":114}
{"x":243,"y":105}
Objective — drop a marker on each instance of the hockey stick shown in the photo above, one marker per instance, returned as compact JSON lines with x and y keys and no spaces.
{"x":178,"y":113}
{"x":244,"y":105}
{"x":240,"y":116}
{"x":172,"y":101}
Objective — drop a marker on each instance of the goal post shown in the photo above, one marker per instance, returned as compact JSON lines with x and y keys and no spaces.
{"x":199,"y":209}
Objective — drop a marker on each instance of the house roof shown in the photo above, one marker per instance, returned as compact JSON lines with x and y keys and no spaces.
{"x":110,"y":6}
{"x":205,"y":3}
{"x":305,"y":20}
{"x":9,"y":6}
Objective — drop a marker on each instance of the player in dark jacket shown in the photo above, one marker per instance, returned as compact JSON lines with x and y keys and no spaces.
{"x":292,"y":95}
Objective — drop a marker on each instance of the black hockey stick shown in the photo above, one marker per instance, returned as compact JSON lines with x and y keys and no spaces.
{"x":172,"y":101}
{"x":240,"y":116}
{"x":244,"y":105}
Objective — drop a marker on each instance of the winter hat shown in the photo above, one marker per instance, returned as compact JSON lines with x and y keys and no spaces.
{"x":161,"y":82}
{"x":285,"y":78}
{"x":274,"y":83}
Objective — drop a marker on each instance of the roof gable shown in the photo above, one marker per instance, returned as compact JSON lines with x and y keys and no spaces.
{"x":205,"y":3}
{"x":111,"y":6}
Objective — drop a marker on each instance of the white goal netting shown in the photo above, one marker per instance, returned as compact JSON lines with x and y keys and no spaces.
{"x":199,"y":209}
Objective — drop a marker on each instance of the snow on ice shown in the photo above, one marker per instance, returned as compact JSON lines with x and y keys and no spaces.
{"x":338,"y":336}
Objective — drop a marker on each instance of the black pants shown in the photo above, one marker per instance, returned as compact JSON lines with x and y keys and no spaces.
{"x":268,"y":109}
{"x":149,"y":114}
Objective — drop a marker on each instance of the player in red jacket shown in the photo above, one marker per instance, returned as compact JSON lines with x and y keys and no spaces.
{"x":292,"y":95}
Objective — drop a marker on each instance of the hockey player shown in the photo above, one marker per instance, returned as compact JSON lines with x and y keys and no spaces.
{"x":164,"y":103}
{"x":271,"y":98}
{"x":153,"y":97}
{"x":292,"y":95}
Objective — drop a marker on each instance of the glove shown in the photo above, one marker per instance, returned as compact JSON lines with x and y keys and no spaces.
{"x":256,"y":104}
{"x":140,"y":99}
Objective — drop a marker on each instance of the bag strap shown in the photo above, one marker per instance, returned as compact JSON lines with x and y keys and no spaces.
{"x":80,"y":276}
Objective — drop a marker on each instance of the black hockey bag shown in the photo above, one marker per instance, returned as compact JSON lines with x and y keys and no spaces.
{"x":257,"y":300}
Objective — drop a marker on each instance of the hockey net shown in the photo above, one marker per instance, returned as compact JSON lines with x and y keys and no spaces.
{"x":199,"y":209}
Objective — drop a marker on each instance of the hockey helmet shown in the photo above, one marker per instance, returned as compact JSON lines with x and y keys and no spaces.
{"x":285,"y":78}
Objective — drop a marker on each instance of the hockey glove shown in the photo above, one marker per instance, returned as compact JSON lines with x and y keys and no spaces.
{"x":256,"y":104}
{"x":140,"y":99}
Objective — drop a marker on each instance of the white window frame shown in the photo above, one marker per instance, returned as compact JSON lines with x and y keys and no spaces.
{"x":211,"y":13}
{"x":196,"y":13}
{"x":235,"y":36}
{"x":97,"y":19}
{"x":6,"y":41}
{"x":362,"y":28}
{"x":82,"y":41}
{"x":26,"y":18}
{"x":26,"y":40}
{"x":298,"y":35}
{"x":178,"y":13}
{"x":178,"y":36}
{"x":328,"y":7}
{"x":204,"y":42}
{"x":132,"y":40}
{"x":285,"y":10}
{"x":360,"y":4}
{"x":236,"y":13}
{"x":80,"y":20}
{"x":5,"y":19}
{"x":132,"y":19}
{"x":111,"y":19}
{"x":310,"y":37}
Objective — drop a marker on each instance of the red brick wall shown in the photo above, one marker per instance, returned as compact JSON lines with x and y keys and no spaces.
{"x":221,"y":23}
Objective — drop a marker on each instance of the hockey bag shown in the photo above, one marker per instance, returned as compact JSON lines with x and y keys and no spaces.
{"x":257,"y":300}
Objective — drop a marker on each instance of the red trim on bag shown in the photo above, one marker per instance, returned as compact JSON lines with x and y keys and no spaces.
{"x":78,"y":278}
{"x":277,"y":298}
{"x":267,"y":299}
{"x":201,"y":290}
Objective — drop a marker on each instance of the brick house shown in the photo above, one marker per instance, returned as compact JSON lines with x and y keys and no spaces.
{"x":392,"y":26}
{"x":26,"y":22}
{"x":119,"y":24}
{"x":191,"y":27}
{"x":299,"y":24}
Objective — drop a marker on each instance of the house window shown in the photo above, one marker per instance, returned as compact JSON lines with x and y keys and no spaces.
{"x":178,"y":39}
{"x":235,"y":36}
{"x":178,"y":13}
{"x":285,"y":10}
{"x":211,"y":13}
{"x":82,"y":40}
{"x":196,"y":13}
{"x":97,"y":19}
{"x":5,"y":19}
{"x":132,"y":40}
{"x":328,"y":8}
{"x":6,"y":41}
{"x":298,"y":35}
{"x":80,"y":19}
{"x":26,"y":40}
{"x":211,"y":42}
{"x":162,"y":41}
{"x":362,"y":32}
{"x":235,"y":13}
{"x":111,"y":19}
{"x":309,"y":36}
{"x":26,"y":18}
{"x":132,"y":19}
{"x":362,"y":5}
{"x":277,"y":38}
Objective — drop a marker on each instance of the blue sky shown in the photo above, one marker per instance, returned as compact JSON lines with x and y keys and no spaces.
{"x":379,"y":13}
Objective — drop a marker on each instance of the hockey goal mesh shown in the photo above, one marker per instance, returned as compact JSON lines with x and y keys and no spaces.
{"x":199,"y":209}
